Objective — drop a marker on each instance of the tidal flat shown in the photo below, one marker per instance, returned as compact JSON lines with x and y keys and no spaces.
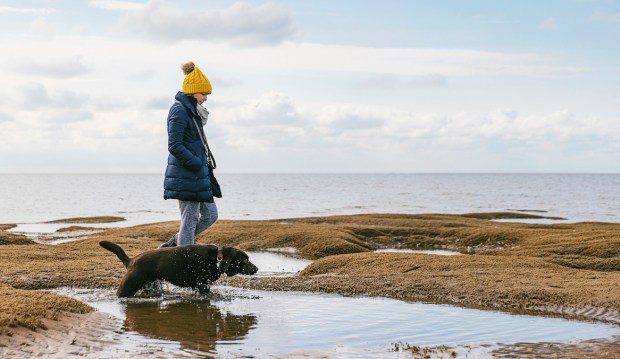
{"x":558,"y":270}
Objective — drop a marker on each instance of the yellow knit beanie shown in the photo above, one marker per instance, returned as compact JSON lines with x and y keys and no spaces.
{"x":195,"y":81}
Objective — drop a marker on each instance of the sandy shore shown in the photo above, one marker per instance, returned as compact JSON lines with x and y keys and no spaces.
{"x":99,"y":335}
{"x":94,"y":335}
{"x":91,"y":335}
{"x":568,"y":270}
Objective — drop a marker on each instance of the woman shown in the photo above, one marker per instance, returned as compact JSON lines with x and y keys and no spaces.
{"x":187,"y":174}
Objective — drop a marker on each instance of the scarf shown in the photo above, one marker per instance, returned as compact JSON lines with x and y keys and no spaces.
{"x":203,"y":113}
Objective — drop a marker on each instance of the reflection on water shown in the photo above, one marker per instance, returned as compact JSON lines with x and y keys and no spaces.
{"x":232,"y":322}
{"x":196,"y":325}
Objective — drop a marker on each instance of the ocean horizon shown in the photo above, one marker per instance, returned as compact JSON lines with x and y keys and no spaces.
{"x":34,"y":198}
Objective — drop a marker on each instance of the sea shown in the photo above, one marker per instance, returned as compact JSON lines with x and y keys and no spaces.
{"x":38,"y":198}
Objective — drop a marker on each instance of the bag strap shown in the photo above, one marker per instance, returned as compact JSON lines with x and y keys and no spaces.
{"x":203,"y":138}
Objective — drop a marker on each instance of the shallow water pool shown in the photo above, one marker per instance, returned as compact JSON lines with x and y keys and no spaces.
{"x":47,"y":233}
{"x":232,"y":322}
{"x":438,"y":252}
{"x":277,"y":264}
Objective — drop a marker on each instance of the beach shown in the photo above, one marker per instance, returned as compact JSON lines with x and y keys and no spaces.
{"x":556,"y":270}
{"x":394,"y":180}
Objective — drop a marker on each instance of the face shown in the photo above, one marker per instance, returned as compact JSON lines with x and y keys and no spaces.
{"x":241,"y":265}
{"x":201,"y":97}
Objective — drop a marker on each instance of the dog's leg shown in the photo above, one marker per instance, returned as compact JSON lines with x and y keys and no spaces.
{"x":152,"y":289}
{"x":203,"y":289}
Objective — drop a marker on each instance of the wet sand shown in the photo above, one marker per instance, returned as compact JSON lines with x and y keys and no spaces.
{"x":568,"y":270}
{"x":92,"y":335}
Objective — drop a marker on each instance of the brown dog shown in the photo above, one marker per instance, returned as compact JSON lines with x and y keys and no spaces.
{"x":195,"y":266}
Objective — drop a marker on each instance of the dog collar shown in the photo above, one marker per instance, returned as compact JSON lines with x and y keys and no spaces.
{"x":220,"y":256}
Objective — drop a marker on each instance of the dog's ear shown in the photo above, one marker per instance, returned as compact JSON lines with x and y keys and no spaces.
{"x":228,"y":254}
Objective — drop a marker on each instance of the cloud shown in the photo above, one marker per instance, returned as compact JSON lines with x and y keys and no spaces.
{"x":59,"y":67}
{"x":142,"y":75}
{"x":163,"y":102}
{"x":354,"y":121}
{"x":549,"y":24}
{"x":272,"y":108}
{"x":21,"y":10}
{"x":241,"y":24}
{"x":41,"y":29}
{"x":61,"y":117}
{"x":226,"y":82}
{"x":606,"y":18}
{"x":105,"y":102}
{"x":393,"y":80}
{"x":342,"y":118}
{"x":116,"y":5}
{"x":110,"y":61}
{"x":272,"y":121}
{"x":276,"y":122}
{"x":5,"y":117}
{"x":344,"y":136}
{"x":36,"y":96}
{"x":417,"y":65}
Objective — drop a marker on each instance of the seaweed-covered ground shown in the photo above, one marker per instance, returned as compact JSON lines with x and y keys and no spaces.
{"x":551,"y":269}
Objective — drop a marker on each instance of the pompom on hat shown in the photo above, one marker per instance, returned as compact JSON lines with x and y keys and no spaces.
{"x":195,"y":81}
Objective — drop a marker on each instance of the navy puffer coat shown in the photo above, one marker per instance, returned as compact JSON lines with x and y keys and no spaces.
{"x":187,"y":173}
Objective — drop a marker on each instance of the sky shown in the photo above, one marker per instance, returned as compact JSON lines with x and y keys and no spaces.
{"x":395,"y":86}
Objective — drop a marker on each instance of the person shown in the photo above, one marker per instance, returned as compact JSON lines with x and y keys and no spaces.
{"x":187,"y":173}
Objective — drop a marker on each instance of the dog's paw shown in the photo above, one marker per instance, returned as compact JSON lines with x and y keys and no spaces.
{"x":203,"y":289}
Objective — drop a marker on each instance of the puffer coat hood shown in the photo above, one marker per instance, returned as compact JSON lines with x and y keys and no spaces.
{"x":187,"y":173}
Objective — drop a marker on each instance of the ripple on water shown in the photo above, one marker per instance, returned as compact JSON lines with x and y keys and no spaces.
{"x":232,"y":321}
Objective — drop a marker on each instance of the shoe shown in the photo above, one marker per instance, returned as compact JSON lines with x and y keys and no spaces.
{"x":172,"y":242}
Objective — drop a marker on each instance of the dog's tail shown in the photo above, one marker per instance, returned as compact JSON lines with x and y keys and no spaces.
{"x":114,"y":248}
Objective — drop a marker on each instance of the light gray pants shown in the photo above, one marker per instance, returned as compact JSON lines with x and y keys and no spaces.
{"x":196,"y":217}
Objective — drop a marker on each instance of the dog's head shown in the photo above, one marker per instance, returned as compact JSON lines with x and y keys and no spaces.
{"x":236,"y":261}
